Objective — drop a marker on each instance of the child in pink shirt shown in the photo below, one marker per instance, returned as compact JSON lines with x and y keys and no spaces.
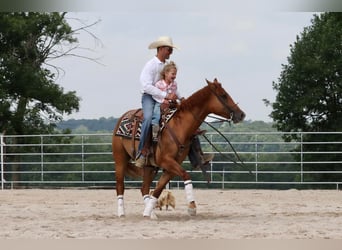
{"x":167,"y":84}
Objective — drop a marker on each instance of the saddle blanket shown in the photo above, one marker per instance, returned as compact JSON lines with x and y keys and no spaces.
{"x":126,"y":125}
{"x":126,"y":128}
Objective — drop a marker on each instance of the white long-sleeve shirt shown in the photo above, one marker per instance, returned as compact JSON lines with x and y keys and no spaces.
{"x":149,"y":76}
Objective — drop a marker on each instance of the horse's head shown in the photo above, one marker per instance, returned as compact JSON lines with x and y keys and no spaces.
{"x":224,"y":104}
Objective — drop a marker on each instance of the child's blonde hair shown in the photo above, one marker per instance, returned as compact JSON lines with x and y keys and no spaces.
{"x":167,"y":68}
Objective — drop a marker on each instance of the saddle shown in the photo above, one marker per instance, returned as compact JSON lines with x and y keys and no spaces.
{"x":130,"y":124}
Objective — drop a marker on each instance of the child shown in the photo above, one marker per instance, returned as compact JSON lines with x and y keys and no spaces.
{"x":167,"y":84}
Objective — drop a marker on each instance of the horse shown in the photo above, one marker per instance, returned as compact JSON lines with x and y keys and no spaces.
{"x":172,"y":146}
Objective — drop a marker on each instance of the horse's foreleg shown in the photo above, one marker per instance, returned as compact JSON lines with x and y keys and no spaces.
{"x":121,"y":206}
{"x":188,"y":189}
{"x":190,"y":197}
{"x":150,"y":205}
{"x":148,"y":177}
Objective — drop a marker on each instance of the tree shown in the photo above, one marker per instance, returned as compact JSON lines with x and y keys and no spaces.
{"x":309,"y":89}
{"x":30,"y":100}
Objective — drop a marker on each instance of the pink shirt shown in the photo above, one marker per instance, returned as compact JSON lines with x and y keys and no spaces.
{"x":167,"y":89}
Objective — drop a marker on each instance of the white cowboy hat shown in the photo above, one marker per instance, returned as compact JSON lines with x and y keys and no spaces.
{"x":162,"y":41}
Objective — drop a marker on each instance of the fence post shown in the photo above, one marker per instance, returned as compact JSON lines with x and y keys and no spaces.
{"x":256,"y":158}
{"x":2,"y":161}
{"x":211,"y":164}
{"x":82,"y":146}
{"x":41,"y":158}
{"x":301,"y":157}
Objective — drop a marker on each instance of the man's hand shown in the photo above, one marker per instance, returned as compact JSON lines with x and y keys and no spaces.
{"x":171,"y":96}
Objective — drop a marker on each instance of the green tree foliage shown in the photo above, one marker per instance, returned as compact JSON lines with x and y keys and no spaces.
{"x":31,"y":102}
{"x":309,"y":89}
{"x":309,"y":94}
{"x":88,"y":125}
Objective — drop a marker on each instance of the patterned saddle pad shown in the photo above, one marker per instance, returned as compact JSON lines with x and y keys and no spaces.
{"x":132,"y":119}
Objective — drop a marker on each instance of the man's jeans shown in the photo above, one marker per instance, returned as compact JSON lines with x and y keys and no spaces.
{"x":147,"y":103}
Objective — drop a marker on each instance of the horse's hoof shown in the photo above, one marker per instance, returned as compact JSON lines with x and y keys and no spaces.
{"x":192,"y":208}
{"x":121,"y":212}
{"x":192,"y":211}
{"x":154,"y":216}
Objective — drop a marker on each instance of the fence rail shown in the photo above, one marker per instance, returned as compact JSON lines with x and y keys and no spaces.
{"x":75,"y":160}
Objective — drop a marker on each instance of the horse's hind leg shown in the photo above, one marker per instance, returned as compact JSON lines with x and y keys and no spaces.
{"x":121,"y":160}
{"x":120,"y":187}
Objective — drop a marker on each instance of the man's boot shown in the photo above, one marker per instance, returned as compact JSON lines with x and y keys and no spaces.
{"x":140,"y":161}
{"x":206,"y":158}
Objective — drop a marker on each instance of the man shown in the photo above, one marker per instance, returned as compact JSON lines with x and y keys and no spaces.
{"x":148,"y":77}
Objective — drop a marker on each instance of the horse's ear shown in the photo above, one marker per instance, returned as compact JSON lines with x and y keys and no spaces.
{"x":215,"y":80}
{"x":207,"y":81}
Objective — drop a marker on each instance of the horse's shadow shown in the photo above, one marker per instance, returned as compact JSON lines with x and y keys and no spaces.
{"x":179,"y":216}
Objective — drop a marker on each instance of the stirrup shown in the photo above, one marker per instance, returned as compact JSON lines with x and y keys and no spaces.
{"x":140,"y":162}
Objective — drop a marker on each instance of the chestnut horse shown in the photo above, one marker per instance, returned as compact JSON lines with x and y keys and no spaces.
{"x":173,"y":145}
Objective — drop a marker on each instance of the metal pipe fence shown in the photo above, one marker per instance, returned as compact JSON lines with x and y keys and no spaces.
{"x":85,"y":160}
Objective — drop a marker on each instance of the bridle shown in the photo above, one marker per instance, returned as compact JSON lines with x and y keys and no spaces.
{"x":229,"y":109}
{"x":224,"y":104}
{"x":221,"y":99}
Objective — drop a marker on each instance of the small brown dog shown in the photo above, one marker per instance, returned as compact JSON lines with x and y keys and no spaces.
{"x":166,"y":199}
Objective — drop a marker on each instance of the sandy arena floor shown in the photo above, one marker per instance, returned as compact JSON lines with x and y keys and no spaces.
{"x":221,"y":214}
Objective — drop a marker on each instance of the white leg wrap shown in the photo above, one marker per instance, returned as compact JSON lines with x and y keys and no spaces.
{"x":149,"y":206}
{"x":189,"y":191}
{"x":146,"y":199}
{"x":121,"y":207}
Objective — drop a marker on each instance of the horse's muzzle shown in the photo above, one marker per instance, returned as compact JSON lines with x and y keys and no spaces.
{"x":238,"y":117}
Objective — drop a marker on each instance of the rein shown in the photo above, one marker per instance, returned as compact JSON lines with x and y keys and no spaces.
{"x":229,"y":109}
{"x":240,"y":163}
{"x":181,"y":147}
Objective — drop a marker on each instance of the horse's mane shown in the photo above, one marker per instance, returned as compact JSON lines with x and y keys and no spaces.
{"x":196,"y":99}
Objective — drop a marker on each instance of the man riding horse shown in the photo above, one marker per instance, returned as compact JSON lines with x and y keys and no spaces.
{"x":174,"y":144}
{"x":178,"y":139}
{"x":149,"y":76}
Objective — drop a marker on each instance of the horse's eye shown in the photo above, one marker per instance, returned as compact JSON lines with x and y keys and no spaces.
{"x":224,"y":96}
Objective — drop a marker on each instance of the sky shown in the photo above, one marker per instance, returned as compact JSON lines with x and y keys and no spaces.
{"x":243,"y":46}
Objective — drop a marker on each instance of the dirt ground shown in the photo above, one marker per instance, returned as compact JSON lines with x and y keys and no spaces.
{"x":221,"y":214}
